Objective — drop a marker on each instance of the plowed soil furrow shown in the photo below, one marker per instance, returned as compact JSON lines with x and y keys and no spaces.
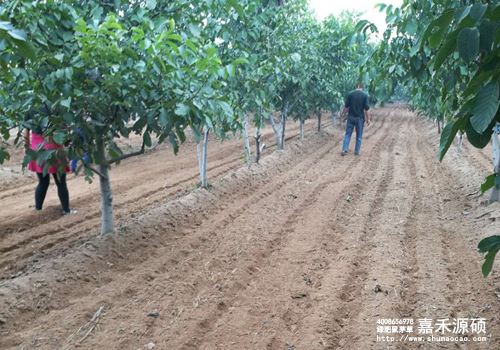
{"x":306,"y":251}
{"x":287,"y":247}
{"x":478,"y":158}
{"x":301,"y":166}
{"x":326,"y":149}
{"x":370,"y":292}
{"x":42,"y":233}
{"x":463,"y":285}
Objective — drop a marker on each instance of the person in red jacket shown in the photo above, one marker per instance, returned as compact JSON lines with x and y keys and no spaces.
{"x":33,"y":143}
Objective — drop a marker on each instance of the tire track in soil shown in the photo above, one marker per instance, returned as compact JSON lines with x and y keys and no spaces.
{"x":304,"y":164}
{"x":76,"y":236}
{"x":273,"y":246}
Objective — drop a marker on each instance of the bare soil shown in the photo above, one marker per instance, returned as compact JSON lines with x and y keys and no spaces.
{"x":305,"y":251}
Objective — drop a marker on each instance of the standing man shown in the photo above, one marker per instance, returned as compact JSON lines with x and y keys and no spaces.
{"x":357,"y":103}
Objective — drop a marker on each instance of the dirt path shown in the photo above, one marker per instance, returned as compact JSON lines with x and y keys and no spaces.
{"x":307,"y":251}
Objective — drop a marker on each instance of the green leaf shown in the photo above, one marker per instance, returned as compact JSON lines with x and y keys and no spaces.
{"x":468,"y":44}
{"x":354,"y":37}
{"x":489,"y":183}
{"x":66,"y":102}
{"x":18,"y":34}
{"x":130,"y":53}
{"x":3,"y":156}
{"x":445,"y":19}
{"x":476,"y":139}
{"x":211,"y":51}
{"x":182,"y":109}
{"x":194,"y":29}
{"x":227,"y":109}
{"x":491,"y":245}
{"x":163,"y":117}
{"x":59,"y":137}
{"x":151,"y":4}
{"x":487,"y":33}
{"x":495,"y":15}
{"x":478,"y":80}
{"x":360,"y":25}
{"x":446,"y":50}
{"x":461,"y":13}
{"x":196,"y":134}
{"x":27,"y":49}
{"x":240,"y":61}
{"x":238,"y":8}
{"x":147,"y":139}
{"x":5,"y":25}
{"x":415,"y":49}
{"x":485,"y":107}
{"x":296,"y":57}
{"x":174,"y":37}
{"x":448,"y":135}
{"x":435,"y":38}
{"x":477,"y":11}
{"x":411,"y":27}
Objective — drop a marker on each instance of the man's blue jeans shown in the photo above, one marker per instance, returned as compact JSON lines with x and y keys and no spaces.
{"x":353,"y":123}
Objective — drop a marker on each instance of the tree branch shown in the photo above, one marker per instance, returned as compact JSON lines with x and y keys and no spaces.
{"x":126,"y":156}
{"x":96,"y":171}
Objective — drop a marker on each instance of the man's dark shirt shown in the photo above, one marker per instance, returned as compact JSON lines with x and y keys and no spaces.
{"x":357,"y":102}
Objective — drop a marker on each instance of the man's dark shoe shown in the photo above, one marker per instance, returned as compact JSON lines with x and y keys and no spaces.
{"x":343,"y":153}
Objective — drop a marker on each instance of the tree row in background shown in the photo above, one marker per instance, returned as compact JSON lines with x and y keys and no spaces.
{"x":103,"y":70}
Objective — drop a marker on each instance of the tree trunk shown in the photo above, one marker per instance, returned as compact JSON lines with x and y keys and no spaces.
{"x":334,"y":118}
{"x":198,"y":153}
{"x":279,"y":131}
{"x":204,"y":182}
{"x":495,"y":192}
{"x":302,"y":129}
{"x":257,"y":145}
{"x":260,"y":147}
{"x":283,"y":127}
{"x":107,"y":222}
{"x":319,"y":121}
{"x":460,"y":139}
{"x":276,"y":129}
{"x":247,"y":144}
{"x":439,"y":127}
